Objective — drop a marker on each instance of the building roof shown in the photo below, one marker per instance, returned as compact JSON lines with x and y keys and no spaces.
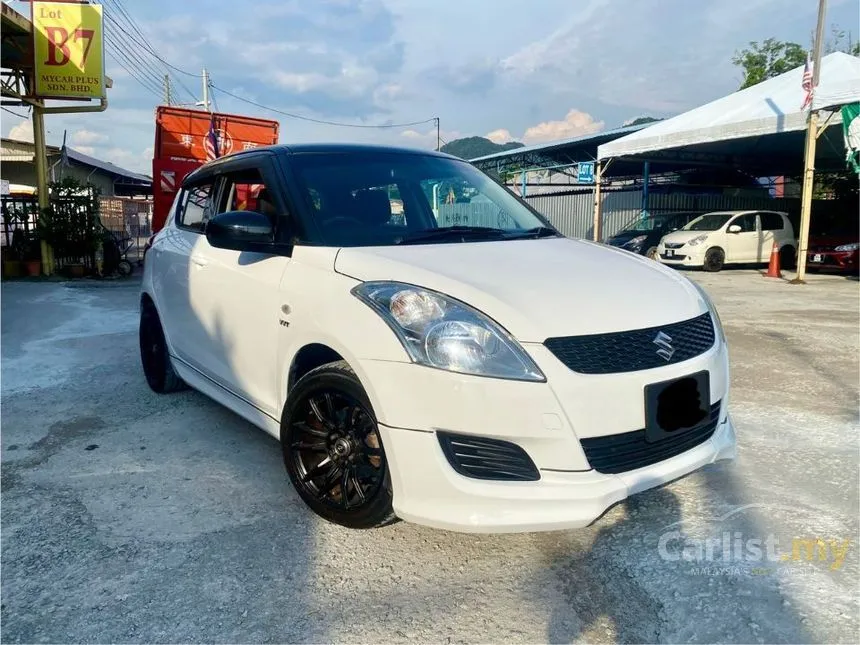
{"x":16,"y":150}
{"x":771,"y":107}
{"x":107,"y":167}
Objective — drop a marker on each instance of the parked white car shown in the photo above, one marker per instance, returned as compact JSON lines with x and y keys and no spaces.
{"x":461,"y":365}
{"x":730,"y":237}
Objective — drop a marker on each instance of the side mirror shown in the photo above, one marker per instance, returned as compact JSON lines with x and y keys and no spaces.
{"x":734,"y":228}
{"x":241,"y":231}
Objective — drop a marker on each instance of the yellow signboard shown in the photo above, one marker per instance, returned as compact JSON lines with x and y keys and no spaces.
{"x":69,"y":50}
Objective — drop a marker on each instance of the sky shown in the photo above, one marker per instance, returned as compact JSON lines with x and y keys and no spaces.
{"x":532,"y":71}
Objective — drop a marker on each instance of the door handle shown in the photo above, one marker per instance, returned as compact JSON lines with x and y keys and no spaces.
{"x":200,"y":262}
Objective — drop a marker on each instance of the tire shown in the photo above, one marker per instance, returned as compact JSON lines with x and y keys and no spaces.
{"x":124,"y":268}
{"x":715,"y":258}
{"x":651,"y":254}
{"x":787,"y":258}
{"x":331,"y":443}
{"x":154,"y":355}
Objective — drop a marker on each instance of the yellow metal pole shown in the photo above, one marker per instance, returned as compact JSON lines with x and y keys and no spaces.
{"x":40,"y":158}
{"x":598,"y":174}
{"x":806,"y":197}
{"x":809,"y":153}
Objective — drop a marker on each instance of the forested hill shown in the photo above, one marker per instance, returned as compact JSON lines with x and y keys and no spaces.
{"x":471,"y":147}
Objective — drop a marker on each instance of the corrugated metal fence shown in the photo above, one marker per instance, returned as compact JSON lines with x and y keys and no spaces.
{"x":573,"y":212}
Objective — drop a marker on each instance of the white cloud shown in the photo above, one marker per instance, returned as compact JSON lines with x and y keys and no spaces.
{"x":500,"y":136}
{"x":574,"y":124}
{"x":23,"y":131}
{"x":87,"y":138}
{"x":87,"y":150}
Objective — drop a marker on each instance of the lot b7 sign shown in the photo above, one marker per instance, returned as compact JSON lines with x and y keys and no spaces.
{"x":69,"y":50}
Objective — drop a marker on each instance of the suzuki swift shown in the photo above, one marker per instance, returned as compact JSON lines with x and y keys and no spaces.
{"x":425,"y":345}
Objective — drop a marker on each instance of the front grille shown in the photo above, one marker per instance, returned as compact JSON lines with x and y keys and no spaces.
{"x":676,"y":256}
{"x":619,"y":453}
{"x":482,"y":458}
{"x":631,"y":351}
{"x":673,"y":245}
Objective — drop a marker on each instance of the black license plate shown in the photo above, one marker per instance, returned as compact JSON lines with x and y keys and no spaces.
{"x":673,"y":407}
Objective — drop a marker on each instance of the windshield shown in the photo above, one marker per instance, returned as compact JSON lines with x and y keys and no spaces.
{"x":648,"y":224}
{"x":380,"y":199}
{"x":709,"y":222}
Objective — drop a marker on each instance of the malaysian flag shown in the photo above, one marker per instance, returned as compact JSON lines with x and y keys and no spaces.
{"x":213,"y":138}
{"x":806,"y":84}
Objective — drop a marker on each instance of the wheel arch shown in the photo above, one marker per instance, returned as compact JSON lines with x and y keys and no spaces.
{"x":313,"y":352}
{"x":309,"y":357}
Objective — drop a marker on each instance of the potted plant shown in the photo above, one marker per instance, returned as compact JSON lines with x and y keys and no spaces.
{"x":31,"y":254}
{"x":11,"y":262}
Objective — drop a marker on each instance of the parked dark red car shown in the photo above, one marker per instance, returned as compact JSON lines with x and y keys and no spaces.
{"x":838,"y":250}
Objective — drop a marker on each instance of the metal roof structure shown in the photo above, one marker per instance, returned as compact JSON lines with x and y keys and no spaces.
{"x":556,"y":154}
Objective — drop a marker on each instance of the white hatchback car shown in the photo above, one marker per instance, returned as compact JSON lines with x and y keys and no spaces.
{"x":731,"y":237}
{"x":460,"y":365}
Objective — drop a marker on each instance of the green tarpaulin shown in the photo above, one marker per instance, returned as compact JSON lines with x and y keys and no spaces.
{"x":851,"y":128}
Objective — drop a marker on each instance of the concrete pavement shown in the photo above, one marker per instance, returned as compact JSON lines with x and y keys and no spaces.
{"x":132,"y":517}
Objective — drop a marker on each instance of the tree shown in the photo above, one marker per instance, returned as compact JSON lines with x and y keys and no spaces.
{"x":772,"y":57}
{"x":840,"y":41}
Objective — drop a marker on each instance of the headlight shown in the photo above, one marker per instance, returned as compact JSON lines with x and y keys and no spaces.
{"x":718,"y":324}
{"x":697,"y":240}
{"x":439,"y":331}
{"x":848,"y":247}
{"x":636,"y":241}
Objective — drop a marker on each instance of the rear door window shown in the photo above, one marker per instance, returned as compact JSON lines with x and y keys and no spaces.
{"x":195,"y":207}
{"x":770,"y":222}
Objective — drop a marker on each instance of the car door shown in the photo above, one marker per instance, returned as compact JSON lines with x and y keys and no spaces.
{"x":742,"y":245}
{"x":174,"y":269}
{"x":236,"y":293}
{"x":771,"y":226}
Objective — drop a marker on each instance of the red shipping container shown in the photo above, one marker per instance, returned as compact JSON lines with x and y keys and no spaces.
{"x":182,"y":143}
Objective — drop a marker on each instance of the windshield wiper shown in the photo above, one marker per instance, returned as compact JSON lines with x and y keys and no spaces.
{"x":463,"y":233}
{"x":538,"y":231}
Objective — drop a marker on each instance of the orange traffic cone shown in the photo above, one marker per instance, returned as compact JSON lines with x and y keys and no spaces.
{"x":773,"y":267}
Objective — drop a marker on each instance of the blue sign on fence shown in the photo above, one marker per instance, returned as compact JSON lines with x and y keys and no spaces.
{"x":585,"y":172}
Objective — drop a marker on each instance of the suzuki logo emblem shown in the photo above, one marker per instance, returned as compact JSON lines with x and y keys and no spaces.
{"x":664,"y":342}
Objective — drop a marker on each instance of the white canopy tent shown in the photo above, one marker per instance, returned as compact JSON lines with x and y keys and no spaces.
{"x":769,"y":108}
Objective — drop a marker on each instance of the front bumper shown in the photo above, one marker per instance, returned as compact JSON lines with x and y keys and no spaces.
{"x":690,"y":256}
{"x":546,"y":420}
{"x":834,"y":260}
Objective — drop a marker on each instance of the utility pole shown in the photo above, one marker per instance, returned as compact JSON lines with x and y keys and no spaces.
{"x":809,"y":154}
{"x":438,"y":135}
{"x":168,"y":97}
{"x":207,"y":105}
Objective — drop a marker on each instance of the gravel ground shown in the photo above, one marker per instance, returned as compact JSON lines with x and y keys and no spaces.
{"x":129,"y":517}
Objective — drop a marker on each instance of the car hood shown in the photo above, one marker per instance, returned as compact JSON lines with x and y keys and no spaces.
{"x":684,"y":236}
{"x":625,"y":236}
{"x":537,"y":289}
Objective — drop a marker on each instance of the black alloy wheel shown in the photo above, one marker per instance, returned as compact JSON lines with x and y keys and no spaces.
{"x":154,"y":354}
{"x":333,"y":451}
{"x":715,"y":258}
{"x":788,"y":258}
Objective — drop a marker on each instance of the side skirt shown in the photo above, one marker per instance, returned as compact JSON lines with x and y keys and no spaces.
{"x":218,"y":393}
